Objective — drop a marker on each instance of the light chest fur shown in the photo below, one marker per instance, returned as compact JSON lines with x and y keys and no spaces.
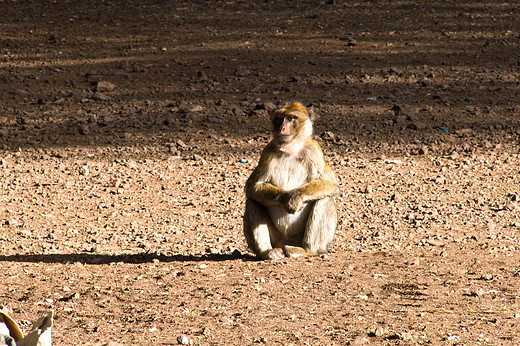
{"x":293,"y":167}
{"x":292,"y":171}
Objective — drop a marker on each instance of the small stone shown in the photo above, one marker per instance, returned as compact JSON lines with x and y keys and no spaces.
{"x":3,"y":133}
{"x":83,"y":129}
{"x":137,"y":68}
{"x":194,"y":116}
{"x":105,"y":86}
{"x":434,"y":242}
{"x":416,"y":126}
{"x":78,"y":95}
{"x":215,"y":119}
{"x":11,"y":222}
{"x":200,"y":159}
{"x":423,"y":150}
{"x":184,"y":340}
{"x":242,"y":72}
{"x":511,"y":205}
{"x":328,"y":136}
{"x":197,"y":108}
{"x":97,"y":96}
{"x":181,"y":144}
{"x":487,"y":277}
{"x":83,"y":170}
{"x":381,"y":331}
{"x":172,"y":149}
{"x":269,"y":106}
{"x":454,"y":155}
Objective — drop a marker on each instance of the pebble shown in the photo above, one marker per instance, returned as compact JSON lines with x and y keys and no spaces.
{"x":197,"y":108}
{"x":83,"y":170}
{"x":454,"y":155}
{"x":328,"y":136}
{"x":184,"y":340}
{"x":97,"y":96}
{"x":105,"y":86}
{"x":181,"y":144}
{"x":434,"y":242}
{"x":83,"y":129}
{"x":423,"y":150}
{"x":199,"y":158}
{"x":417,"y":126}
{"x":269,"y":106}
{"x":242,"y":72}
{"x":79,"y":96}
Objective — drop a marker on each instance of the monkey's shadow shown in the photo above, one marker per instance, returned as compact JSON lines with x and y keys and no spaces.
{"x":125,"y":258}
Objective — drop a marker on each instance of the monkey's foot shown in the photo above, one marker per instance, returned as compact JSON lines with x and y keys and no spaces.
{"x":295,"y":251}
{"x":273,"y":254}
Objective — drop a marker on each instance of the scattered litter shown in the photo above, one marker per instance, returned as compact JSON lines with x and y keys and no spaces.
{"x":242,"y":161}
{"x":443,"y":129}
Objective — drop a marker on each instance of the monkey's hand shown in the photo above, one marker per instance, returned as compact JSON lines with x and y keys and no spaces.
{"x":294,"y":202}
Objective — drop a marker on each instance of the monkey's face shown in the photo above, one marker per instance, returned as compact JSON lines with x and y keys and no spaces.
{"x":290,"y":123}
{"x":285,"y":127}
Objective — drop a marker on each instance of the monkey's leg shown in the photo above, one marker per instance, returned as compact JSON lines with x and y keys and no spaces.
{"x":260,"y":232}
{"x":319,"y":232}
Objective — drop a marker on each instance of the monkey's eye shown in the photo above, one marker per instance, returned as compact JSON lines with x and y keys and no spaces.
{"x":292,"y":118}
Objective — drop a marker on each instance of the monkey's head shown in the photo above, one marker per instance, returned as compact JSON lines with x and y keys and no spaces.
{"x":291,"y":122}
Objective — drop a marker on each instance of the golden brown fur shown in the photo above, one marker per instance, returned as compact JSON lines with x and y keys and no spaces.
{"x":290,"y":210}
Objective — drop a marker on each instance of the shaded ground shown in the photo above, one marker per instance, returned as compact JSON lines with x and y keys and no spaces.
{"x":121,"y":203}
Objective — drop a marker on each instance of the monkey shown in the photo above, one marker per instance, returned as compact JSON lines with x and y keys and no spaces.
{"x":290,"y":208}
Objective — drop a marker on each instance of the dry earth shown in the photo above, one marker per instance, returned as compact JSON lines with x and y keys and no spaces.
{"x":123,"y":130}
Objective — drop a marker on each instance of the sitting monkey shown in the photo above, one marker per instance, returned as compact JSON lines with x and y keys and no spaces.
{"x":290,"y":209}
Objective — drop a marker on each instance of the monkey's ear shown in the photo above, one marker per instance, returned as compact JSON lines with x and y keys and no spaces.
{"x":313,"y":115}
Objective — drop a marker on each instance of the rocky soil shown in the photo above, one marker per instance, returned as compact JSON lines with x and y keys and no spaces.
{"x":128,"y":129}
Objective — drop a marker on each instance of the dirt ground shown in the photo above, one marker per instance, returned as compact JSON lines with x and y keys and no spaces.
{"x":128,"y":129}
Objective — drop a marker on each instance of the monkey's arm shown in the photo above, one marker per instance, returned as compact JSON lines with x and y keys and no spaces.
{"x":318,"y":189}
{"x":265,"y":193}
{"x":326,"y":186}
{"x":258,"y":189}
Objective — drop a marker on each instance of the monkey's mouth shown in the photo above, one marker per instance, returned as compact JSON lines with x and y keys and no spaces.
{"x":285,"y":138}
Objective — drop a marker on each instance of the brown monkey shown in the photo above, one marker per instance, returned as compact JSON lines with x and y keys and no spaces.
{"x":290,"y":210}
